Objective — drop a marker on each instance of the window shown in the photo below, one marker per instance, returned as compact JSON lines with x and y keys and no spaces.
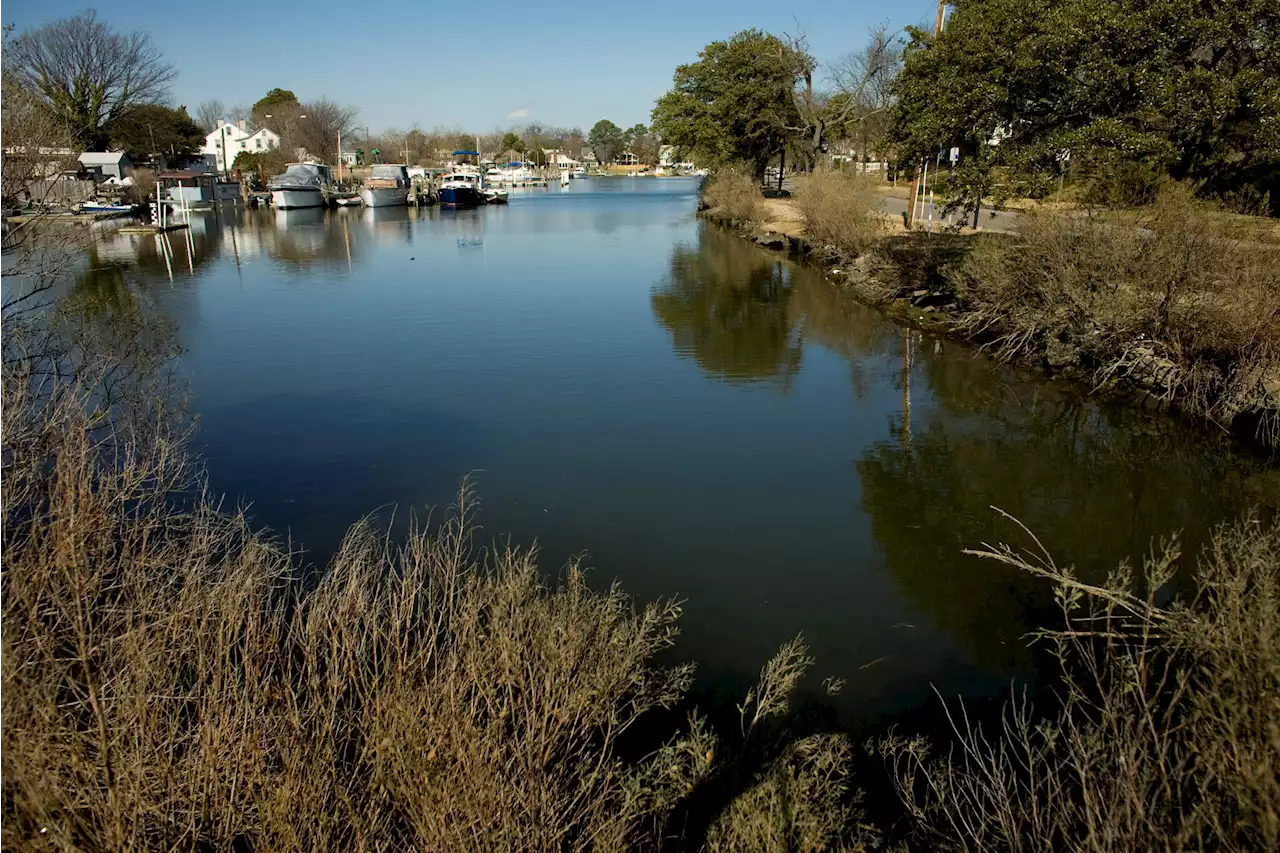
{"x":259,"y":141}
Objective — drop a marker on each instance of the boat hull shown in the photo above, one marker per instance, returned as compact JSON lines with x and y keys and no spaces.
{"x":459,"y":197}
{"x":294,"y":199}
{"x":384,"y":196}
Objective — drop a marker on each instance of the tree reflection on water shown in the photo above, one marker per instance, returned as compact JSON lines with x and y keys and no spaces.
{"x":1097,"y":483}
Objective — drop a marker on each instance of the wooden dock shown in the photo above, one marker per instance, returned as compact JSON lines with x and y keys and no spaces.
{"x":152,"y":229}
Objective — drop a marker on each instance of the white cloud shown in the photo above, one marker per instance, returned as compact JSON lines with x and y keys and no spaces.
{"x":523,"y":112}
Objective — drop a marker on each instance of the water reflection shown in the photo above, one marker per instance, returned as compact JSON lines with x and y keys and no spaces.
{"x":727,"y":310}
{"x":702,"y":417}
{"x":958,"y":436}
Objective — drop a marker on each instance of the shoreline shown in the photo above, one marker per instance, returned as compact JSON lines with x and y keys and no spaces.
{"x":921,"y":297}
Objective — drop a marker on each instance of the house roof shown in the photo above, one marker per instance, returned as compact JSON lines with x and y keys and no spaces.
{"x":102,"y":158}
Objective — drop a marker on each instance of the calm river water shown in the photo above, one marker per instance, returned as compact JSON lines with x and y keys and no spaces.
{"x":699,"y":417}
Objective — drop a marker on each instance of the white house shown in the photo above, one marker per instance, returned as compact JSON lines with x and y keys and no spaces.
{"x":228,"y":140}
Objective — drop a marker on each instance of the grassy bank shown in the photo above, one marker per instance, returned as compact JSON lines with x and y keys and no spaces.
{"x":1168,"y":300}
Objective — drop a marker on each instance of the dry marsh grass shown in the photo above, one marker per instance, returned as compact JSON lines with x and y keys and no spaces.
{"x":842,"y":212}
{"x":1178,"y":294}
{"x":736,"y":193}
{"x":1168,"y":734}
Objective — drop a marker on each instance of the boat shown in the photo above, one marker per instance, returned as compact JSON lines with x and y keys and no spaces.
{"x":347,"y":200}
{"x":302,"y":185}
{"x":579,"y":172}
{"x":494,"y":195}
{"x":494,"y":175}
{"x":104,"y":207}
{"x":460,"y":187}
{"x":388,"y":186}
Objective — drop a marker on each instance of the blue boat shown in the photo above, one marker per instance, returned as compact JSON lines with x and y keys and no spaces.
{"x":462,"y":186}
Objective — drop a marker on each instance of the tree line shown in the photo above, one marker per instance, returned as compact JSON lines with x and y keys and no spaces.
{"x":1121,"y":93}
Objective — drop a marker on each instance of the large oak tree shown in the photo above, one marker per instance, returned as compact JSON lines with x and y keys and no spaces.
{"x":737,"y":102}
{"x":1179,"y":86}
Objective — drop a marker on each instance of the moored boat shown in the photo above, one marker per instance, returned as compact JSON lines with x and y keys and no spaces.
{"x":388,"y":186}
{"x":302,"y":185}
{"x":461,"y":186}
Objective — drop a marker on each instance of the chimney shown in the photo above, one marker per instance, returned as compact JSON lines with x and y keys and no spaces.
{"x":243,"y":125}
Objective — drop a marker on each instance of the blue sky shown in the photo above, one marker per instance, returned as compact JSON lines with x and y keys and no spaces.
{"x":437,"y":65}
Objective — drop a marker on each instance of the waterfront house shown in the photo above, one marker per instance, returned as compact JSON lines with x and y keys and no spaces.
{"x":106,"y":164}
{"x":626,"y":158}
{"x":229,"y":140}
{"x":557,"y":159}
{"x":588,"y":157}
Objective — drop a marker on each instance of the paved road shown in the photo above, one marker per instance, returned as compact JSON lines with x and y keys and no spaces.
{"x":990,"y":220}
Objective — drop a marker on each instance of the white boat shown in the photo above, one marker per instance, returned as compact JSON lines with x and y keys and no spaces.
{"x":579,"y":172}
{"x":302,"y":185}
{"x":494,"y":195}
{"x":388,"y":186}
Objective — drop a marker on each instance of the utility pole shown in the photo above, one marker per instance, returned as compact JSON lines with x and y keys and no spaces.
{"x":912,"y":210}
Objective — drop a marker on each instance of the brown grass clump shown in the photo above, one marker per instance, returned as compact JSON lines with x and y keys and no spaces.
{"x":736,"y":193}
{"x":1168,"y":737}
{"x":1176,"y":303}
{"x":842,"y":211}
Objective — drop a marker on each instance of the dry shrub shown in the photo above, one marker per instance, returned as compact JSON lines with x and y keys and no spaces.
{"x":1176,"y":302}
{"x":842,"y":211}
{"x":736,"y":193}
{"x":171,"y":683}
{"x":794,"y":792}
{"x":1168,"y":737}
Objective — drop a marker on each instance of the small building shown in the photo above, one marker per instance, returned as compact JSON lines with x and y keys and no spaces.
{"x":106,"y":164}
{"x":229,"y":140}
{"x":350,"y":159}
{"x":626,"y":158}
{"x":588,"y":157}
{"x":557,"y":159}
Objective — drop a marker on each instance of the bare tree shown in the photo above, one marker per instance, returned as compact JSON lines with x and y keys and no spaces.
{"x":318,"y":125}
{"x":210,"y":113}
{"x":865,"y":79}
{"x":88,"y":73}
{"x":862,"y":84}
{"x":37,"y":149}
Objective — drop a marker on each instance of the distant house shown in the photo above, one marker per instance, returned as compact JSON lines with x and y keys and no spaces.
{"x":557,"y":159}
{"x":229,"y":140}
{"x":106,"y":164}
{"x":667,"y":156}
{"x":589,"y":157}
{"x":626,"y":158}
{"x":350,"y":158}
